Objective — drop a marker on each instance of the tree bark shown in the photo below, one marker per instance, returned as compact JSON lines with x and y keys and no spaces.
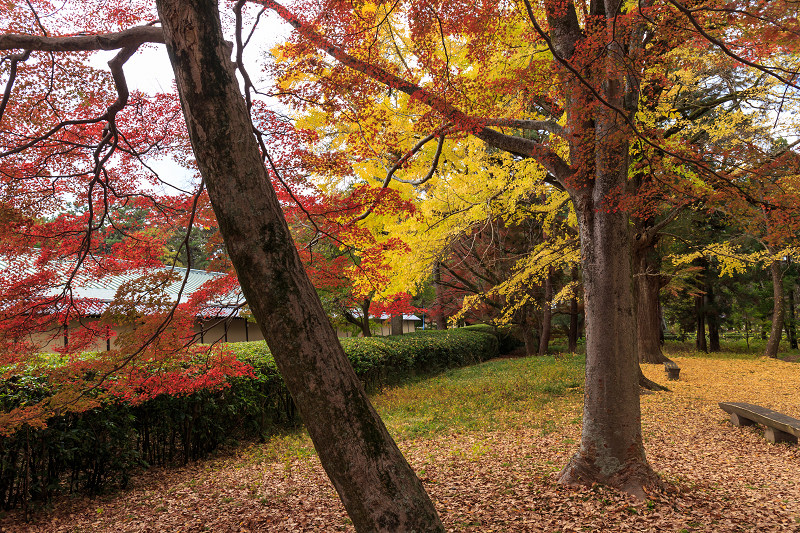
{"x":648,"y":283}
{"x":776,"y":329}
{"x":572,"y":336}
{"x":712,"y":315}
{"x":377,"y":486}
{"x":529,"y":337}
{"x":791,"y":324}
{"x":700,"y":341}
{"x":364,"y":319}
{"x":547,"y":314}
{"x":611,"y":450}
{"x":438,"y":308}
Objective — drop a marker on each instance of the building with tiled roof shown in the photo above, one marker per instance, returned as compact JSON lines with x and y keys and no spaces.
{"x":220,"y":321}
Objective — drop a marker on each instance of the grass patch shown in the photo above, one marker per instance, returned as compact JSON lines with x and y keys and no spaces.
{"x":491,"y":395}
{"x":501,"y":393}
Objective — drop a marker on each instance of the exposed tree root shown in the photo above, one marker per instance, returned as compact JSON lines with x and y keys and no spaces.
{"x":650,"y":384}
{"x":635,"y":477}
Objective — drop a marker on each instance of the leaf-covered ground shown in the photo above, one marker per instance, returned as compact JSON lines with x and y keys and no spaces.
{"x":718,"y":478}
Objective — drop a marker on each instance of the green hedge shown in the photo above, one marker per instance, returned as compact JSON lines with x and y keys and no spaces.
{"x":99,"y":448}
{"x":506,"y":337}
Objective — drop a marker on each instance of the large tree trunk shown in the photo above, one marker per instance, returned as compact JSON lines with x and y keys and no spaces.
{"x":547,"y":314}
{"x":648,"y":283}
{"x":776,"y":330}
{"x":611,"y":450}
{"x":377,"y":486}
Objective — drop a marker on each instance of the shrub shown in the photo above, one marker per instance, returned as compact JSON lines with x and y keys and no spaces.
{"x":97,"y":448}
{"x":507,"y":338}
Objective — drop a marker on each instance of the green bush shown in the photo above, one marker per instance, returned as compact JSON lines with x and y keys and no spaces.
{"x":97,"y":448}
{"x":507,"y":340}
{"x":378,"y":359}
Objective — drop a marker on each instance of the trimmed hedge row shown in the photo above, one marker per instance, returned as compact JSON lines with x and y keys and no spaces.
{"x":99,"y":448}
{"x":380,"y":360}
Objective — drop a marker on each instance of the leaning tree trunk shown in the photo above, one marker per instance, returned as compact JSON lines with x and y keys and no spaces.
{"x":776,"y":329}
{"x":377,"y":486}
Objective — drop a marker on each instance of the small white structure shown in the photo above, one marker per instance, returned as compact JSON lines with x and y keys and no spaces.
{"x":382,"y":326}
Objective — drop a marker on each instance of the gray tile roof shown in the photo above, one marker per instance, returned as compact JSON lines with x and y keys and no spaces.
{"x":96,"y":293}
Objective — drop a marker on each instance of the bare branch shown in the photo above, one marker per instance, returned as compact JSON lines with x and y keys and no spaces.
{"x":12,"y":75}
{"x":440,"y":132}
{"x":119,"y":81}
{"x":121,"y":86}
{"x":541,"y":125}
{"x":417,"y":147}
{"x":132,"y":37}
{"x":432,"y":170}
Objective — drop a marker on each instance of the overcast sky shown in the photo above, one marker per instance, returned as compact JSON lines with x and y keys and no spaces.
{"x":149,"y":71}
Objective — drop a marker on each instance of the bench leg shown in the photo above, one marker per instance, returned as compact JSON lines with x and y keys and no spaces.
{"x":776,"y":435}
{"x":739,"y":420}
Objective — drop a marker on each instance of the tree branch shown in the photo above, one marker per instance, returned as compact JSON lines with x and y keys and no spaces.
{"x":541,"y":125}
{"x":434,"y":163}
{"x":132,"y":37}
{"x":475,"y":126}
{"x":725,"y":182}
{"x":12,"y":74}
{"x":727,"y":51}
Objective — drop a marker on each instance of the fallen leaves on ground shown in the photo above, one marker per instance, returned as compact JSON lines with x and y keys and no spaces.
{"x":718,"y":478}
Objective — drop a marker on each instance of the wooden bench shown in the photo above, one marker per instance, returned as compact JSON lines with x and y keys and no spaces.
{"x":779,"y":427}
{"x":672,"y":370}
